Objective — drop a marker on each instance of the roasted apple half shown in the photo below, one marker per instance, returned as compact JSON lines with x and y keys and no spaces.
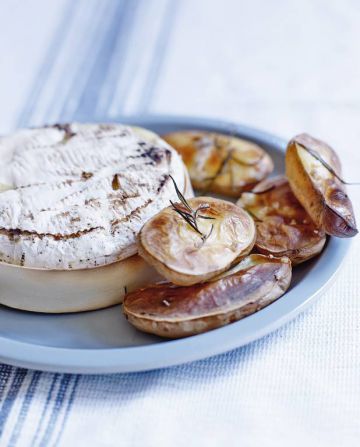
{"x":172,"y":311}
{"x":220,"y":163}
{"x":283,"y":226}
{"x":314,"y":173}
{"x":192,"y":241}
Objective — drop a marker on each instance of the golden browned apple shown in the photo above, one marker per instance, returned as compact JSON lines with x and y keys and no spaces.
{"x":314,"y":172}
{"x":172,"y":311}
{"x":190,"y":242}
{"x":220,"y":163}
{"x":283,"y":226}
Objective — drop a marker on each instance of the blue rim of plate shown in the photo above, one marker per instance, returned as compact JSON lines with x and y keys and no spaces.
{"x":175,"y":352}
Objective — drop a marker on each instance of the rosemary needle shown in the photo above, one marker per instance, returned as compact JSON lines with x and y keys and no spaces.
{"x":326,"y":165}
{"x":188,"y":214}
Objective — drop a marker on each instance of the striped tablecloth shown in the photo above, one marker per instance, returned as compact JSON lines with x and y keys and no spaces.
{"x":283,"y":66}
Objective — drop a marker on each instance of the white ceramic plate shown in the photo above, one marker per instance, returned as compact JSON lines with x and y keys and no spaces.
{"x":103,"y":342}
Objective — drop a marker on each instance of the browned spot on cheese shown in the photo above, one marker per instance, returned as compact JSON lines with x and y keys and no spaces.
{"x":133,"y":213}
{"x":86,"y":175}
{"x":15,"y":233}
{"x":115,"y":183}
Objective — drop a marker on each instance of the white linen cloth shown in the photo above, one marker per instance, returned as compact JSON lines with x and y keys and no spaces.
{"x":283,"y":66}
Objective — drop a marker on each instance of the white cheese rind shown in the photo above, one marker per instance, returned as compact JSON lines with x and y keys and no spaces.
{"x":80,"y":193}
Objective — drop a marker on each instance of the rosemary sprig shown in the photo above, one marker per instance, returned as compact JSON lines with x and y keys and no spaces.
{"x":219,"y":171}
{"x":187,"y":217}
{"x":218,"y":144}
{"x":190,"y":215}
{"x":326,"y":165}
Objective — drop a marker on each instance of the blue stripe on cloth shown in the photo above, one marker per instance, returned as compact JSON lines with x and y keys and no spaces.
{"x":78,"y":84}
{"x":59,"y":403}
{"x":55,"y":379}
{"x":10,"y":398}
{"x":24,"y":408}
{"x":115,"y":69}
{"x":162,"y":43}
{"x":90,"y":16}
{"x":68,"y":409}
{"x":50,"y":57}
{"x":102,"y":60}
{"x":5,"y":372}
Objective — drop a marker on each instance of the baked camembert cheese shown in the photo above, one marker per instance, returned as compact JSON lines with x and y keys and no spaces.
{"x":75,"y":196}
